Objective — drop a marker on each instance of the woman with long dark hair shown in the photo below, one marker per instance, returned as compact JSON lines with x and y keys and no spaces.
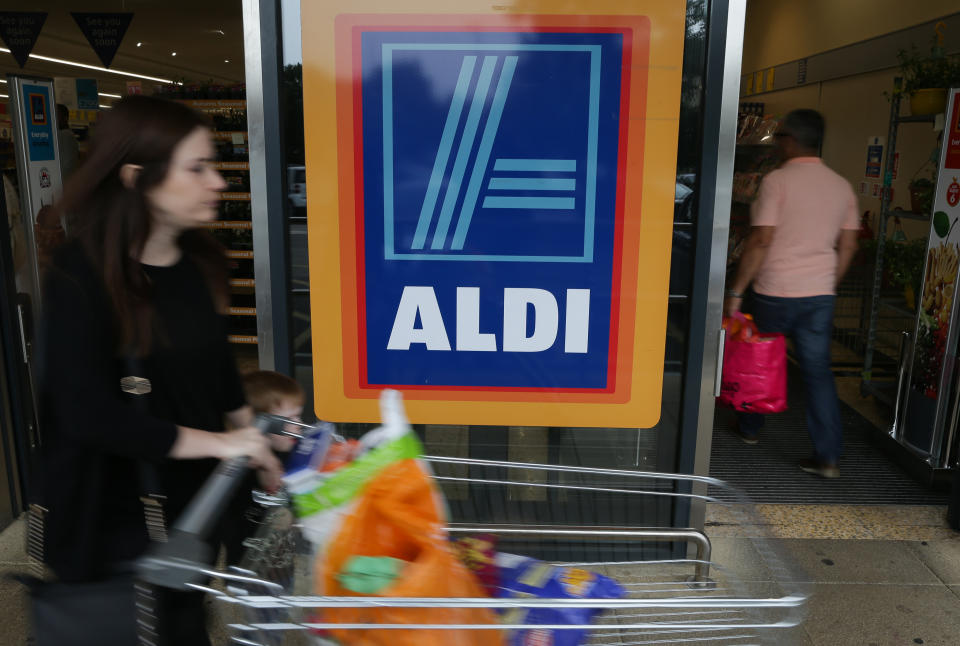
{"x":141,"y":280}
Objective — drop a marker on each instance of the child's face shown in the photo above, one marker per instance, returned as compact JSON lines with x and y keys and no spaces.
{"x":291,"y":409}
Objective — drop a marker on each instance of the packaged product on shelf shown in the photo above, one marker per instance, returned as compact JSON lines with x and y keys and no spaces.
{"x":754,"y":130}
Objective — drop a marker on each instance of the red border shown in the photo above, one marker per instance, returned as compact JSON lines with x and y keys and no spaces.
{"x":617,"y":264}
{"x":46,"y":108}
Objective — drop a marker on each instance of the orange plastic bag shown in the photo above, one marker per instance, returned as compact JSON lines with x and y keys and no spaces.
{"x":398,"y":515}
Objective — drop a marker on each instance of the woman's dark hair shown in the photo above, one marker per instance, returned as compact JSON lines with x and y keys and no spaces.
{"x":112,"y":222}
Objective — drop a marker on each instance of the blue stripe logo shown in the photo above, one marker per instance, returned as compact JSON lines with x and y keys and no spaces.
{"x":477,"y":187}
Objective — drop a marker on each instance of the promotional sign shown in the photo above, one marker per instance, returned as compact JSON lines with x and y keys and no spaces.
{"x":77,"y":94}
{"x":38,"y":167}
{"x":874,"y":157}
{"x":503,"y":211}
{"x":87,"y":94}
{"x":38,"y":109}
{"x":936,"y":330}
{"x":104,"y":32}
{"x":19,"y":31}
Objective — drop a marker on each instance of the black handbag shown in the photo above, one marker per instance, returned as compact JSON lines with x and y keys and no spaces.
{"x":85,"y":614}
{"x":105,"y":611}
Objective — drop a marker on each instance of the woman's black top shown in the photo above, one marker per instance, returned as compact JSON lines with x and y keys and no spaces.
{"x":93,"y":438}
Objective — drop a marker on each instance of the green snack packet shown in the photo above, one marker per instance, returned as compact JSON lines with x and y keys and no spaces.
{"x":370,"y":574}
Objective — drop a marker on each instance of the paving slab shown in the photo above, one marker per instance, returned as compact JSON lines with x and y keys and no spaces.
{"x":883,"y":615}
{"x":845,"y":561}
{"x":941,"y":557}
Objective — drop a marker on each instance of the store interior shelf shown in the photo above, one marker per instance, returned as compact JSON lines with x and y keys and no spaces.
{"x":228,"y":224}
{"x":907,"y":215}
{"x":242,"y":339}
{"x":228,"y":135}
{"x":884,"y":391}
{"x":215,"y":104}
{"x":239,"y":254}
{"x":243,"y":311}
{"x":927,"y":118}
{"x":236,"y":197}
{"x":231,"y":165}
{"x":897,"y":304}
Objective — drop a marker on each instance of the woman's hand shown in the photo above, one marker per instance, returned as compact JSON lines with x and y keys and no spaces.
{"x":193,"y":443}
{"x":252,"y":443}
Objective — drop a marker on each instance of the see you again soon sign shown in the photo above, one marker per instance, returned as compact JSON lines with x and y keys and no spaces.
{"x":491,"y":212}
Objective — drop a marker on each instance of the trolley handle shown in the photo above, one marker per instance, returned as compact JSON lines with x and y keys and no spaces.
{"x":208,"y":505}
{"x":181,"y":560}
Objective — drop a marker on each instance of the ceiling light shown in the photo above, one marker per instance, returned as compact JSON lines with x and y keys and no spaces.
{"x":104,"y":106}
{"x":173,"y":53}
{"x":226,"y":60}
{"x":97,"y":68}
{"x":138,"y":44}
{"x":112,"y":96}
{"x":4,"y":96}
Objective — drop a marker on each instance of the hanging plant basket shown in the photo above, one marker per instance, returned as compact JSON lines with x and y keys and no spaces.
{"x":928,"y":101}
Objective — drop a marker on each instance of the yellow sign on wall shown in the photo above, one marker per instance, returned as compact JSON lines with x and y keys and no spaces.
{"x":491,"y":208}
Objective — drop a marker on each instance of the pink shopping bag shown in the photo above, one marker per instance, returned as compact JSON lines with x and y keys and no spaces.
{"x":754,"y":369}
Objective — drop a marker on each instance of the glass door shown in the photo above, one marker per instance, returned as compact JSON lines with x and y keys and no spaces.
{"x":712,"y":37}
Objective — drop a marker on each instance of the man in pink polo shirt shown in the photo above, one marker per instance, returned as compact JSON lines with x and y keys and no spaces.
{"x":803,"y":237}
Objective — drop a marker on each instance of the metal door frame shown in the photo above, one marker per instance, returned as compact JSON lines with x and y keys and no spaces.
{"x":262,"y":41}
{"x":725,"y":33}
{"x":17,"y":424}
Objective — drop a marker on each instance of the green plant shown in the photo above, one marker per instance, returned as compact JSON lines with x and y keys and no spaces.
{"x":921,"y":194}
{"x":904,"y":262}
{"x":925,"y":71}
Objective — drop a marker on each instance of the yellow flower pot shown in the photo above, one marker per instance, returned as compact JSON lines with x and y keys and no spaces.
{"x":909,"y":296}
{"x":926,"y":102}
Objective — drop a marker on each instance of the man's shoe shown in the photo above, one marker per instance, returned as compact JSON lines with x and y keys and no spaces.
{"x":746,"y":438}
{"x":819,"y":468}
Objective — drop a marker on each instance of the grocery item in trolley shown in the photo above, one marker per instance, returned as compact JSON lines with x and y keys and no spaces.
{"x":524,"y":577}
{"x":329,"y":488}
{"x":394,"y":544}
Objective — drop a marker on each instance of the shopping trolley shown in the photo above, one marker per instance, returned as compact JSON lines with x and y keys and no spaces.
{"x":677,"y":592}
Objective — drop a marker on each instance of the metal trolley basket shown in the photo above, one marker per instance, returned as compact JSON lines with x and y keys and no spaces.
{"x":691,"y":600}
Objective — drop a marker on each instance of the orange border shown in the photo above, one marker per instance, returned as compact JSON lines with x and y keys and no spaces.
{"x":649,"y":188}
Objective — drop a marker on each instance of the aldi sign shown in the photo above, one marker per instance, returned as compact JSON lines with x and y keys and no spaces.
{"x":491,"y":215}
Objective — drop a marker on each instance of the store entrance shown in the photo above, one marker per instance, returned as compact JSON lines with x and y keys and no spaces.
{"x":893,"y":339}
{"x":187,"y":52}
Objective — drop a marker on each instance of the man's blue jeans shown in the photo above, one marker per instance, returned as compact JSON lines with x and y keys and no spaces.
{"x":809,"y":323}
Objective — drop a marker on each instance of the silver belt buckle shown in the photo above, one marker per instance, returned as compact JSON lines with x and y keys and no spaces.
{"x":135,"y":385}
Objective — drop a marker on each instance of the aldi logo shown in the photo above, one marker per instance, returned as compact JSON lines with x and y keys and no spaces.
{"x":460,"y":166}
{"x":490,"y":146}
{"x":487,"y":247}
